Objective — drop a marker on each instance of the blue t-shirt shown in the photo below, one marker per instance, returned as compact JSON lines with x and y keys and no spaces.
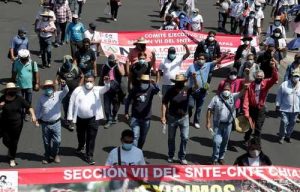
{"x":18,"y":43}
{"x":204,"y":71}
{"x":75,"y":32}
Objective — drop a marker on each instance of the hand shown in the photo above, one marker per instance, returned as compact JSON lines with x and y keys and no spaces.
{"x":185,"y":45}
{"x":106,"y":79}
{"x":127,"y":117}
{"x":152,"y":81}
{"x":246,"y":85}
{"x":273,"y":65}
{"x":163,"y":120}
{"x":2,"y":104}
{"x":194,"y":75}
{"x":34,"y":120}
{"x":36,"y":86}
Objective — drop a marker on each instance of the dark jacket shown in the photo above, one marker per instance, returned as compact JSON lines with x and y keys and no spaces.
{"x":242,"y":160}
{"x":203,"y":48}
{"x":241,"y":48}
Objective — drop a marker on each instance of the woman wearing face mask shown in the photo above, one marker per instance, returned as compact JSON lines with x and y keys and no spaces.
{"x":254,"y":155}
{"x":46,"y":29}
{"x":48,"y":112}
{"x":277,"y":24}
{"x":280,"y":44}
{"x":141,"y":98}
{"x":12,"y":106}
{"x":243,"y":51}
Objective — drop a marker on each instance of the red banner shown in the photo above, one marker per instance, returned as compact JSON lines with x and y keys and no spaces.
{"x":120,"y":43}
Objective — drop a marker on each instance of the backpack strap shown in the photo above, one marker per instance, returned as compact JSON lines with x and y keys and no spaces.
{"x":119,"y":156}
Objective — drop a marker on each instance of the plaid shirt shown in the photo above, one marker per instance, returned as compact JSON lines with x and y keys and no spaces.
{"x":63,"y":13}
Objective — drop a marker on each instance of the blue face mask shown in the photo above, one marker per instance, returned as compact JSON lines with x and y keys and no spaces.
{"x":172,"y":56}
{"x":144,"y":86}
{"x":142,"y":61}
{"x":277,"y":23}
{"x":67,"y":65}
{"x":127,"y":146}
{"x":49,"y":91}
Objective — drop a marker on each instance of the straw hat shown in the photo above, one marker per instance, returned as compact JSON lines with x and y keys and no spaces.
{"x":141,"y":40}
{"x":296,"y":73}
{"x":10,"y":85}
{"x":179,"y":78}
{"x":242,"y":124}
{"x":144,"y":78}
{"x":46,"y":14}
{"x":278,"y":18}
{"x":48,"y":83}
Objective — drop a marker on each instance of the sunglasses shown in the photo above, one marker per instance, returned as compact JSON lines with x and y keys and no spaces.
{"x":128,"y":142}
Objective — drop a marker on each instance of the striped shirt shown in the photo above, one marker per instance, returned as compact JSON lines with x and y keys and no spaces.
{"x":63,"y":13}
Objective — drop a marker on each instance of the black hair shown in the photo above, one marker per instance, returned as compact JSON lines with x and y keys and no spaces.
{"x":200,"y":55}
{"x":255,"y":141}
{"x":86,"y":40}
{"x":127,"y":133}
{"x":211,"y":33}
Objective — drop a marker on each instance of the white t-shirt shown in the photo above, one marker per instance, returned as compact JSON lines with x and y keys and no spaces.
{"x":254,"y":161}
{"x":250,"y":26}
{"x":271,"y":29}
{"x":170,"y":69}
{"x":93,"y":37}
{"x":259,"y":15}
{"x":224,"y":6}
{"x":133,"y":157}
{"x":87,"y":105}
{"x":196,"y":22}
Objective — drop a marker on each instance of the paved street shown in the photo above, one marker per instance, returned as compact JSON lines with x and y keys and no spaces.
{"x":133,"y":15}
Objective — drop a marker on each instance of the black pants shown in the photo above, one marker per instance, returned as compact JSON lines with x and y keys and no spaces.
{"x":75,"y":46}
{"x":222,"y":20}
{"x":111,"y":98}
{"x":258,"y":116}
{"x":45,"y":47}
{"x":86,"y":134}
{"x":80,"y":5}
{"x":61,"y":32}
{"x":234,"y":25}
{"x":11,"y":135}
{"x":114,"y":9}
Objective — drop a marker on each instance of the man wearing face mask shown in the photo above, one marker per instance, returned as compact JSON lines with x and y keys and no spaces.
{"x":196,"y":21}
{"x":133,"y":56}
{"x":255,"y":101}
{"x":63,"y":16}
{"x":222,"y":108}
{"x":235,"y":11}
{"x":236,"y":85}
{"x":48,"y":113}
{"x":266,"y":60}
{"x":249,"y":69}
{"x":169,"y":24}
{"x":141,"y":98}
{"x":26,"y":76}
{"x":94,"y":37}
{"x":75,"y":34}
{"x":70,"y":75}
{"x":201,"y":68}
{"x":85,"y":58}
{"x":171,"y":66}
{"x":85,"y":109}
{"x":46,"y":29}
{"x":292,"y":67}
{"x":210,"y":47}
{"x":288,"y":104}
{"x":254,"y":155}
{"x":243,"y":51}
{"x":112,"y":98}
{"x":275,"y":25}
{"x":280,"y":44}
{"x":259,"y":15}
{"x":250,"y":25}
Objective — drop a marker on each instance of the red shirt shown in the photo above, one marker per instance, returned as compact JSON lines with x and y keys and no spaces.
{"x":249,"y":98}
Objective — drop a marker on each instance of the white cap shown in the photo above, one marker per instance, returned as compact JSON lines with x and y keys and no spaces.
{"x":75,"y":16}
{"x":23,"y":53}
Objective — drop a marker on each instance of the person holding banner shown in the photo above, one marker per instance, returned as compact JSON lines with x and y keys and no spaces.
{"x":171,"y":66}
{"x":222,"y":108}
{"x":201,"y":68}
{"x":254,"y":155}
{"x":255,"y":100}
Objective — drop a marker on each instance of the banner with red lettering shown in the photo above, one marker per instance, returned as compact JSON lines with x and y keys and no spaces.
{"x":120,"y":43}
{"x":170,"y":178}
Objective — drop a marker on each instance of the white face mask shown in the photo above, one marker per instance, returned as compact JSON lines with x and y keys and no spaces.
{"x":232,"y":77}
{"x":211,"y":38}
{"x":247,"y":42}
{"x":254,"y":153}
{"x":89,"y":85}
{"x":226,"y":93}
{"x":276,"y":34}
{"x":296,"y":79}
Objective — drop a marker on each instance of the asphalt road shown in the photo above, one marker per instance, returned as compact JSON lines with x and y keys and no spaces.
{"x":133,"y":15}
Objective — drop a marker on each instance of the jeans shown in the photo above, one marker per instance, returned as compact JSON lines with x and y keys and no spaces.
{"x":287,"y":124}
{"x":75,"y":46}
{"x":111,"y":99}
{"x":220,"y":140}
{"x":45,"y":47}
{"x":65,"y":103}
{"x":234,"y":23}
{"x":222,"y":20}
{"x":140,"y":128}
{"x":198,"y":100}
{"x":86,"y":134}
{"x":61,"y":32}
{"x":183,"y":124}
{"x":27,"y":94}
{"x":51,"y":138}
{"x":114,"y":9}
{"x":165,"y":89}
{"x":258,"y":116}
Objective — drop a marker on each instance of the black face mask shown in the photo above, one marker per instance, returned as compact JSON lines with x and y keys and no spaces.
{"x":111,"y":63}
{"x":24,"y":61}
{"x":179,"y":85}
{"x":11,"y":93}
{"x":258,"y":81}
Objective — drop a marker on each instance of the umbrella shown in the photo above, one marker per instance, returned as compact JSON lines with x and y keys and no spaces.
{"x":294,"y":44}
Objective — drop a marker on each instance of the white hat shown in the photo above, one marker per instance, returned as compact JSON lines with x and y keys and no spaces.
{"x":75,"y":16}
{"x":48,"y":83}
{"x":10,"y":85}
{"x":23,"y":53}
